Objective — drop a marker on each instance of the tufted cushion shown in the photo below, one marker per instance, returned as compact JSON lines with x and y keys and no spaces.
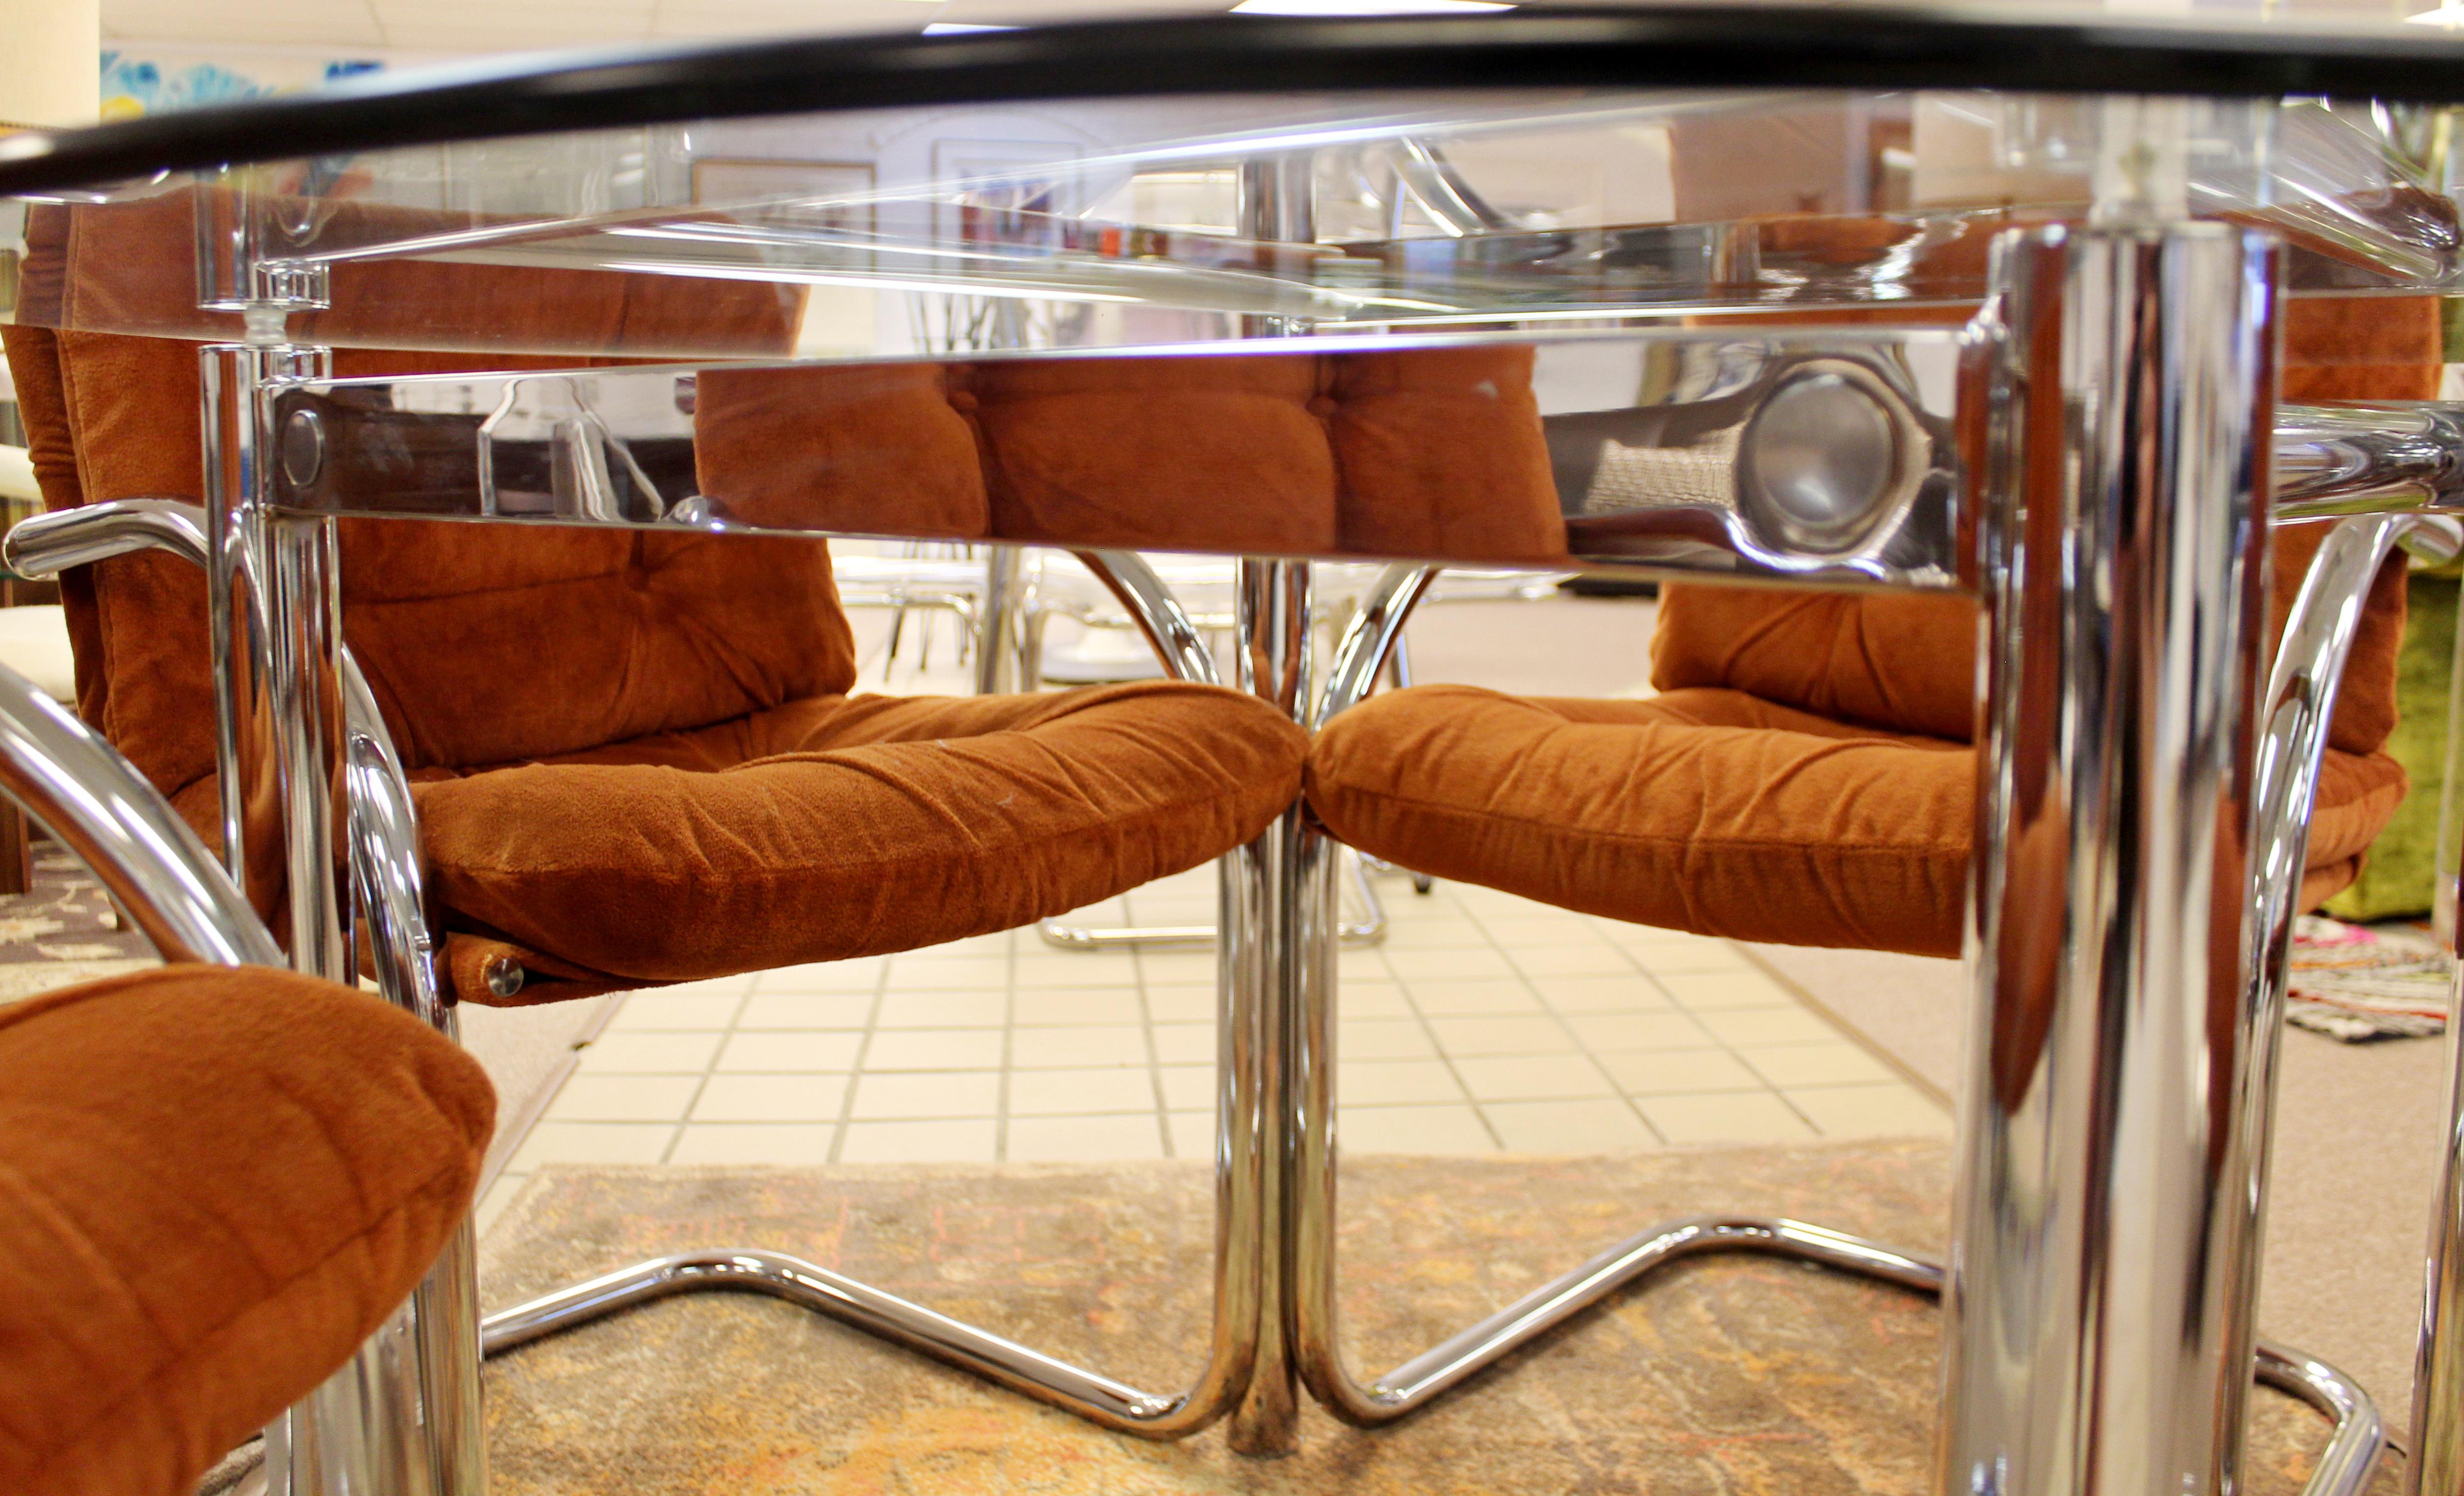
{"x":1433,"y":451}
{"x":213,"y":1185}
{"x":835,"y":828}
{"x":1708,"y":809}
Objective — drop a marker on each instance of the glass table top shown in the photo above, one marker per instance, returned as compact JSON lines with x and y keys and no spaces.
{"x":1206,"y":198}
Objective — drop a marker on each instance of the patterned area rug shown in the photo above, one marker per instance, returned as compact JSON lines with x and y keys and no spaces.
{"x":63,"y":930}
{"x":1722,"y":1376}
{"x":2360,"y":983}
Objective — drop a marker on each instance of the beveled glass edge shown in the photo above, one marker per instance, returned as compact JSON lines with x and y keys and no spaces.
{"x":1681,"y":46}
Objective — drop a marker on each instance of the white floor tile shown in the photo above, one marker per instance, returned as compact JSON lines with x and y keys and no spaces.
{"x":1477,"y":997}
{"x":945,"y":1009}
{"x":1491,"y":1036}
{"x":781,"y":1050}
{"x":1081,"y":971}
{"x":1727,"y":1118}
{"x":1181,"y":1003}
{"x":805,"y":1010}
{"x":1586,"y":958}
{"x":1473,"y":1027}
{"x":1679,"y":1072}
{"x":1617,"y":1033}
{"x":935,"y":1049}
{"x":1081,"y":1093}
{"x":1193,"y":967}
{"x":1370,"y":999}
{"x":1693,"y":954}
{"x":1186,"y":1087}
{"x":856,"y":976}
{"x":1413,"y":965}
{"x":1193,"y":1134}
{"x":918,"y":1142}
{"x":1083,"y":1140}
{"x":915,"y":973}
{"x":648,"y":1054}
{"x":591,"y":1142}
{"x":1066,"y":1048}
{"x":1567,"y":1127}
{"x":653,"y":1011}
{"x":624,"y":1098}
{"x":1705,"y":991}
{"x":1184,"y":1044}
{"x":1450,"y":1131}
{"x":1381,"y":1082}
{"x":754,"y":1142}
{"x":1629,"y":993}
{"x":1531,"y":1077}
{"x":1894,"y":1110}
{"x":1745,"y":1028}
{"x":961,"y":1093}
{"x":771,"y":1098}
{"x":1836,"y":1063}
{"x":1045,"y":1007}
{"x":1383,"y":1039}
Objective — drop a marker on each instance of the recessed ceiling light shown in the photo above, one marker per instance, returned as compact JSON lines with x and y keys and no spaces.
{"x":1366,"y":7}
{"x":2450,"y":15}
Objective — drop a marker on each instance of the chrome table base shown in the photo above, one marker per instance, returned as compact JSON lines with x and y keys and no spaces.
{"x":2343,"y":1468}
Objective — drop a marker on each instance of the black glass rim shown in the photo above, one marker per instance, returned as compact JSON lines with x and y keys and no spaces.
{"x":1688,"y":47}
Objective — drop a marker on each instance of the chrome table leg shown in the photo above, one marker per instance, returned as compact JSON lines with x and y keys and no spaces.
{"x":403,"y":1416}
{"x":1272,"y":639}
{"x":2095,"y":1339}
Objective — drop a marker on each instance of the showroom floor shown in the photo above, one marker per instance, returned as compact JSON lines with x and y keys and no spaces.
{"x":1481,"y":1023}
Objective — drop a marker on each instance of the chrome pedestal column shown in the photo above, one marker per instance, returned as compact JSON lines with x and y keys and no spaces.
{"x":403,"y":1419}
{"x":2096,"y":1338}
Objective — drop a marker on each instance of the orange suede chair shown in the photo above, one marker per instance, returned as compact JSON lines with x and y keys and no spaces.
{"x":1805,"y":775}
{"x":214,"y":1184}
{"x":634,"y":756}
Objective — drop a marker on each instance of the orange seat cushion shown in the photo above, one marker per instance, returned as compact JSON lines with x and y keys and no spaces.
{"x":835,"y":826}
{"x":1708,"y":809}
{"x":213,"y":1185}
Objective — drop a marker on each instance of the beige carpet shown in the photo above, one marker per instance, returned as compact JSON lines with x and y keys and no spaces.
{"x":2357,"y":1139}
{"x":1724,"y":1376}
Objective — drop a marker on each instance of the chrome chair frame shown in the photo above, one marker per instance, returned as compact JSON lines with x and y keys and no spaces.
{"x":2300,"y":703}
{"x":384,"y":862}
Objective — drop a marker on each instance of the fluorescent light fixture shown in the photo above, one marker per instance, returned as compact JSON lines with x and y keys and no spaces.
{"x":1366,"y":7}
{"x":961,"y":29}
{"x":2450,"y":15}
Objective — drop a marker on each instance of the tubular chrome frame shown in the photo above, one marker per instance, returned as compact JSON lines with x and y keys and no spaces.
{"x":2308,"y":666}
{"x":78,"y":785}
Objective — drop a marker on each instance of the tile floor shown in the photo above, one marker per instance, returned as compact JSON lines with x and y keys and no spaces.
{"x":1483,"y":1023}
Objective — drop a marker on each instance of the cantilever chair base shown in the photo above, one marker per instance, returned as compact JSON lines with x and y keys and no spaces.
{"x":2346,"y":1462}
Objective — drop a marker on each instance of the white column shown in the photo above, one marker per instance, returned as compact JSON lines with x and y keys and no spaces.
{"x":54,"y":72}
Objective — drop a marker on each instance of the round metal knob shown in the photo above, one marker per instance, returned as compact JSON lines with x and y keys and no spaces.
{"x":503,"y":975}
{"x":303,"y":447}
{"x":1820,"y":461}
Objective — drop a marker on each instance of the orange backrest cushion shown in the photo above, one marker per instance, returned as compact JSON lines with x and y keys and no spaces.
{"x":484,"y":643}
{"x":1908,"y":663}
